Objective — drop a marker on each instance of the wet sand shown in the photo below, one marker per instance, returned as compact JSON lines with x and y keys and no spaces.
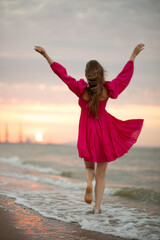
{"x":18,"y":222}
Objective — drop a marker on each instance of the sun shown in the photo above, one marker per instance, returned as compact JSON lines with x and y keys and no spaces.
{"x":39,"y":136}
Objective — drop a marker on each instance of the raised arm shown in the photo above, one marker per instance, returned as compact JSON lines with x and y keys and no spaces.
{"x":136,"y":51}
{"x":43,"y":53}
{"x":117,"y":85}
{"x":76,"y":87}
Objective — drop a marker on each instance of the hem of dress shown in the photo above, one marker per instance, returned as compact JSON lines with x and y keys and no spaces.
{"x":88,"y":159}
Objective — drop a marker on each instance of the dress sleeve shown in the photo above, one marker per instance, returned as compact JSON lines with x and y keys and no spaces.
{"x":75,"y":86}
{"x":117,"y":85}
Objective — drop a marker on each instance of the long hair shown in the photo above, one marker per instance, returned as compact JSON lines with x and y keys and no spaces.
{"x":94,"y":73}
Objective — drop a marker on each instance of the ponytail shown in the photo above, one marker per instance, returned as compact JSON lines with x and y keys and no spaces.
{"x":94,"y":73}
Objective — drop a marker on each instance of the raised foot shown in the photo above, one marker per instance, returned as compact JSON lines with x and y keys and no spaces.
{"x":88,"y":195}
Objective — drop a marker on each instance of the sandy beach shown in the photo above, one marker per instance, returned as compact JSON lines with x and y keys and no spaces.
{"x":18,"y":222}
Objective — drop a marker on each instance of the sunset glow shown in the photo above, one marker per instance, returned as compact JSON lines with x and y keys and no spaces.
{"x":39,"y":136}
{"x":59,"y":124}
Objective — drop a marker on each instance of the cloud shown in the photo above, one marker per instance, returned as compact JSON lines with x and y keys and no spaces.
{"x":79,"y":24}
{"x":74,"y":32}
{"x":26,"y":93}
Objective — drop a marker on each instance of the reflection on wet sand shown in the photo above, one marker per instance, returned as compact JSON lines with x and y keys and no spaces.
{"x":33,"y":226}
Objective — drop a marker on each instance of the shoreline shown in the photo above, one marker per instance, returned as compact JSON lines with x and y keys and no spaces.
{"x":18,"y":222}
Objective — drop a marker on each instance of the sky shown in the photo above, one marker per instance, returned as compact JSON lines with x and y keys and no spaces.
{"x":74,"y":32}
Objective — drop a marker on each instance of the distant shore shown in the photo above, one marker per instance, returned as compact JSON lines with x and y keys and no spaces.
{"x":17,"y":223}
{"x":67,"y":144}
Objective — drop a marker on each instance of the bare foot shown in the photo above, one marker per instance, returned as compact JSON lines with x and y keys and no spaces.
{"x":88,"y":195}
{"x":96,"y":210}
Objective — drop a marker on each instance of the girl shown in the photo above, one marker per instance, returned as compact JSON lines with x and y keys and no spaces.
{"x":102,"y":138}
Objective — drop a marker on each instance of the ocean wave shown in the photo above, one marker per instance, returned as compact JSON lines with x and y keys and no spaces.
{"x":67,"y":174}
{"x":147,"y":195}
{"x":62,"y":182}
{"x":32,"y":166}
{"x":66,"y":179}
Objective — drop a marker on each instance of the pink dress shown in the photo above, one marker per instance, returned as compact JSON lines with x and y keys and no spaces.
{"x":107,"y":138}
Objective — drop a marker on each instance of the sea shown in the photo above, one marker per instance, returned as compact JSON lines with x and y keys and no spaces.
{"x":49,"y":178}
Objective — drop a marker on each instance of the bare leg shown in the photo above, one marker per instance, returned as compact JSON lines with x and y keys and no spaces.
{"x":89,"y":174}
{"x":100,"y":184}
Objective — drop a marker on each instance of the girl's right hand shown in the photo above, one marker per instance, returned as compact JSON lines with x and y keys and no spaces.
{"x":43,"y":53}
{"x":40,"y":50}
{"x":138,"y":49}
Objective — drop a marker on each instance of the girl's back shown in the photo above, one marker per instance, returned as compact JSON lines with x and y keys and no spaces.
{"x":104,"y":94}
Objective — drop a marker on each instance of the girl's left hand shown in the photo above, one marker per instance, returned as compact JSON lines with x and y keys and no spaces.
{"x":40,"y":50}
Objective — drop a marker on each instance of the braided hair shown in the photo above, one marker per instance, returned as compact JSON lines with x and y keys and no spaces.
{"x":94,"y":73}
